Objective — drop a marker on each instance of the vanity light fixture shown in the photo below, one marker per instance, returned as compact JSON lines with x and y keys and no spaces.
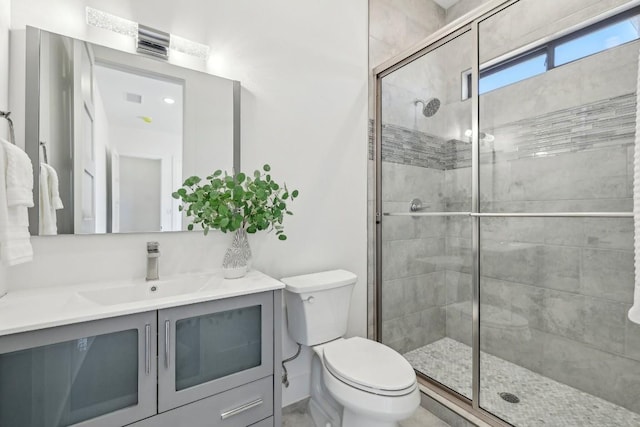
{"x":169,"y":101}
{"x":149,"y":40}
{"x":153,"y":42}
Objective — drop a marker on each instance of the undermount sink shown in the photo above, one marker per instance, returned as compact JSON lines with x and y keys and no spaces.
{"x":143,"y":291}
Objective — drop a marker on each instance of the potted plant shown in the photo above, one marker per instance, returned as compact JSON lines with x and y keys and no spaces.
{"x":236,"y":203}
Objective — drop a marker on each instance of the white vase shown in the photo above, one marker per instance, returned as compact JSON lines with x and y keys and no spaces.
{"x":237,"y":259}
{"x":242,"y":240}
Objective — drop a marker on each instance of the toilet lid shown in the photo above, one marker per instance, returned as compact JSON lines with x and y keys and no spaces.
{"x":368,"y":364}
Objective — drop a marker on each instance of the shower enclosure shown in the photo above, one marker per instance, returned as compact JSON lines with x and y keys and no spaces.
{"x":504,"y":230}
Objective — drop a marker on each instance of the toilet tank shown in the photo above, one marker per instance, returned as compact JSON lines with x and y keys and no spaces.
{"x":318,"y":305}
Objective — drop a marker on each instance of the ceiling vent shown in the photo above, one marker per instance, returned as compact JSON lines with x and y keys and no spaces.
{"x":153,"y":42}
{"x":133,"y":97}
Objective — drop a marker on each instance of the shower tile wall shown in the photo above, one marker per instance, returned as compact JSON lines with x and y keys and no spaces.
{"x":417,"y":152}
{"x":413,"y":288}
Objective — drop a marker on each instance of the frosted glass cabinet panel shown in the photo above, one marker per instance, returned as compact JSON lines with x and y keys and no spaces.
{"x":211,"y":347}
{"x":217,"y":344}
{"x":91,"y":374}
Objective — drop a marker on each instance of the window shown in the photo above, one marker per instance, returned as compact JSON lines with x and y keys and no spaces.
{"x":596,"y":41}
{"x":509,"y":73}
{"x":609,"y":33}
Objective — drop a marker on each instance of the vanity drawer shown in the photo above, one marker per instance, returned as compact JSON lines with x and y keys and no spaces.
{"x":264,"y":423}
{"x":238,"y":407}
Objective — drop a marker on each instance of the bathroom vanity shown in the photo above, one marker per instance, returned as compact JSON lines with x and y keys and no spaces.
{"x":191,"y":351}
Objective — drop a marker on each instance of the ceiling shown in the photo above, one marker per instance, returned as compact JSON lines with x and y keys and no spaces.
{"x":114,"y":85}
{"x":446,"y":4}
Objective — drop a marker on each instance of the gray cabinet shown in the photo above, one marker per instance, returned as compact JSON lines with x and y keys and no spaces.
{"x":94,"y":374}
{"x":205,"y":364}
{"x":267,"y":422}
{"x":210,"y":347}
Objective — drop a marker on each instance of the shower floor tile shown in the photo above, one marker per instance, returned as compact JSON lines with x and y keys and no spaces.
{"x":543,"y":401}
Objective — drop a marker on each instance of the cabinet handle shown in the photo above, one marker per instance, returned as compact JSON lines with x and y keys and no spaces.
{"x":241,"y":409}
{"x":147,"y":348}
{"x":167,"y":345}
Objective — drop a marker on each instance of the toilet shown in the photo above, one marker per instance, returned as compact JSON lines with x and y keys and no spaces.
{"x":355,"y":382}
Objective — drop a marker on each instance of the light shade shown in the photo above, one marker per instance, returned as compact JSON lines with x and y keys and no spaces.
{"x":107,"y":21}
{"x":189,"y":47}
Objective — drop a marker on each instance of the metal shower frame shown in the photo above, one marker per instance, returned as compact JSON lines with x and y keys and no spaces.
{"x":463,"y":25}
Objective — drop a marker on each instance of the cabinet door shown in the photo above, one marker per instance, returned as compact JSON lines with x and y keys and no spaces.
{"x":211,"y":347}
{"x":92,"y":374}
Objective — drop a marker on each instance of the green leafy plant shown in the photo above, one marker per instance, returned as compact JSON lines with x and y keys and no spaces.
{"x":229,"y":202}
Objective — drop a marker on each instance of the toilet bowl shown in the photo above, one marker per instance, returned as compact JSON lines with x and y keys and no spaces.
{"x":376,"y":386}
{"x":355,"y":382}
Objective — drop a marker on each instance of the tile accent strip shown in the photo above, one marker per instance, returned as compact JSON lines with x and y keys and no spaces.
{"x":606,"y":123}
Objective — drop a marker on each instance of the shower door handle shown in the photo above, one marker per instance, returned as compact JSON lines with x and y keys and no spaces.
{"x":416,"y":206}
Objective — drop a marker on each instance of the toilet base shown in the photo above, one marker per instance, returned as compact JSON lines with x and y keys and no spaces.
{"x":320,"y":417}
{"x":352,"y":419}
{"x":324,"y":410}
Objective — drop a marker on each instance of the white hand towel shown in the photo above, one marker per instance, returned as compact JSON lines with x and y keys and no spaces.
{"x":54,"y":187}
{"x":634,"y":313}
{"x":49,"y":201}
{"x":15,"y":243}
{"x":19,"y":176}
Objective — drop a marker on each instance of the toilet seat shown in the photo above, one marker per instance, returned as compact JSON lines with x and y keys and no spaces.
{"x":369,"y":366}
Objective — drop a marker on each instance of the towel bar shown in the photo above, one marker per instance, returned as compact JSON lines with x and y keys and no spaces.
{"x":5,"y":115}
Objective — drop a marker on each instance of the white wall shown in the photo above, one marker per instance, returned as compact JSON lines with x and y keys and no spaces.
{"x":303,"y":66}
{"x":5,"y":13}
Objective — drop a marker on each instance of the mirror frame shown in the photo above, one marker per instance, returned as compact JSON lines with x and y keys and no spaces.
{"x":32,"y":122}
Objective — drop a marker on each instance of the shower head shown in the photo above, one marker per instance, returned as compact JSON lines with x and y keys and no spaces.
{"x":429,"y":107}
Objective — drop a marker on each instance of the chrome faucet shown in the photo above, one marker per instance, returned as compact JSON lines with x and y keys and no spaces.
{"x":153,"y":253}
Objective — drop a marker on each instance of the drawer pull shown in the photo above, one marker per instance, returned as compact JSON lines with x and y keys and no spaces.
{"x":241,"y":409}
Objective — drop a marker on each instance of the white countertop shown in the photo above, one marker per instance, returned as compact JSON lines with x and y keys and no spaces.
{"x":32,"y":309}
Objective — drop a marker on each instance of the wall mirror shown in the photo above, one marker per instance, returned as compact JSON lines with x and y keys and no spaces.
{"x":117,"y":133}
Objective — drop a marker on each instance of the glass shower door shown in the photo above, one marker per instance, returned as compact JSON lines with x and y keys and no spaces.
{"x":506,"y":277}
{"x":556,"y":252}
{"x":425,"y":233}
